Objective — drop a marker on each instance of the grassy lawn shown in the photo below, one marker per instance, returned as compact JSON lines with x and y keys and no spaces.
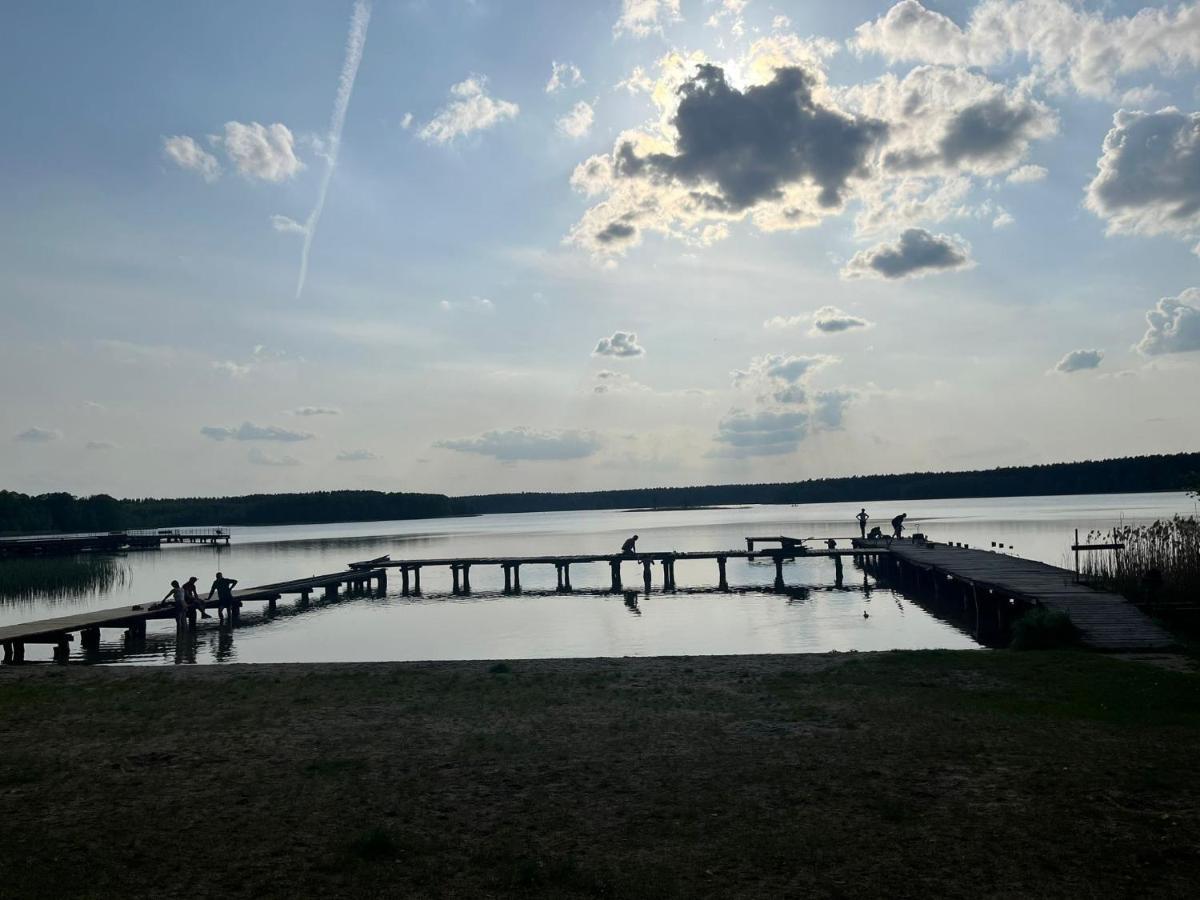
{"x":899,"y":774}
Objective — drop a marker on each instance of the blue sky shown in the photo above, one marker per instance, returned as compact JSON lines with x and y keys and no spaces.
{"x":630,"y":279}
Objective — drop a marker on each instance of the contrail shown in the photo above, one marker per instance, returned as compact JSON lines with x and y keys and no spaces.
{"x":355,"y":40}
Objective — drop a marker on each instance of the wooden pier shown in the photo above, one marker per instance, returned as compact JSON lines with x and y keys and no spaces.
{"x":510,"y":566}
{"x":109,"y":541}
{"x":1106,"y":621}
{"x":132,"y":620}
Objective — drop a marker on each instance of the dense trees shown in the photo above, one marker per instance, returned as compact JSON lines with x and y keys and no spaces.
{"x":20,"y":513}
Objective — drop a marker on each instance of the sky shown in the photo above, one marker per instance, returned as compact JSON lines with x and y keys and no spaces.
{"x":471,"y":247}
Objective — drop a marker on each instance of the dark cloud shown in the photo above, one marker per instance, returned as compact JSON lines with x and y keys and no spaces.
{"x":1173,"y":326}
{"x":831,"y":320}
{"x":1079,"y":360}
{"x":993,"y":129}
{"x":829,"y":408}
{"x":1149,"y":173}
{"x":248,"y":431}
{"x":520,"y":443}
{"x":615,"y":233}
{"x":38,"y":435}
{"x":763,"y":433}
{"x":915,"y":254}
{"x":623,"y":344}
{"x":749,"y":145}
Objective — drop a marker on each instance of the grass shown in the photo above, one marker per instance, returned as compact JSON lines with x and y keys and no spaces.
{"x":1044,"y":629}
{"x":908,"y":773}
{"x":60,"y":578}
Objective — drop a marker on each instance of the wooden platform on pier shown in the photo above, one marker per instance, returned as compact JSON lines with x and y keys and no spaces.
{"x":1105,"y":620}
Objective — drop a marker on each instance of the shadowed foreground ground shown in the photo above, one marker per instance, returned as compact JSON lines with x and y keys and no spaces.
{"x":906,"y":774}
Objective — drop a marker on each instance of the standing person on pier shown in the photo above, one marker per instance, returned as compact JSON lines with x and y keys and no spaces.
{"x":898,"y":525}
{"x":862,"y":521}
{"x":223,"y":588}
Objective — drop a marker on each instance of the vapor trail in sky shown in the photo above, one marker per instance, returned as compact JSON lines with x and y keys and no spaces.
{"x":355,"y":41}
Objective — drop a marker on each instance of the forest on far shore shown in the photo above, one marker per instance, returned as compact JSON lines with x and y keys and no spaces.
{"x":62,"y":512}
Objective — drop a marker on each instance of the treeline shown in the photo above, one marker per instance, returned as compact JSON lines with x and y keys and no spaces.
{"x":1110,"y":476}
{"x":23,"y":514}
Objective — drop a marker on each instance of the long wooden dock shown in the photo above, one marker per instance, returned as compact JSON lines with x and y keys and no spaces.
{"x":460,"y":567}
{"x":61,"y":631}
{"x":109,"y":541}
{"x":1106,"y":621}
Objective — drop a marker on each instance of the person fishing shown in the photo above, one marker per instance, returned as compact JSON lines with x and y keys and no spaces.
{"x":629,"y":547}
{"x":898,"y":525}
{"x":223,"y":588}
{"x":862,"y":521}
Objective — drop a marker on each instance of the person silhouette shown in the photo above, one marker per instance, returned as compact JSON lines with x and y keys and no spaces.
{"x":630,"y":546}
{"x":223,"y":588}
{"x":898,"y":524}
{"x":862,"y":521}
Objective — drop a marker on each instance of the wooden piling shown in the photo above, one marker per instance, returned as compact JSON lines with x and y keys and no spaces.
{"x":723,"y":584}
{"x":647,"y":568}
{"x":837,"y":571}
{"x":615,"y":566}
{"x":779,"y":571}
{"x":404,"y":580}
{"x":507,"y":577}
{"x":454,"y":576}
{"x":567,"y":577}
{"x":516,"y":570}
{"x":466,"y":578}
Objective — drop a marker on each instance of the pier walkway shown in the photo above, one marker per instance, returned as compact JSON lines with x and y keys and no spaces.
{"x":1106,"y":621}
{"x":60,"y":631}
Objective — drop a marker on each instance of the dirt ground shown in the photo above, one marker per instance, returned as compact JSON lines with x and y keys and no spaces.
{"x":899,"y":774}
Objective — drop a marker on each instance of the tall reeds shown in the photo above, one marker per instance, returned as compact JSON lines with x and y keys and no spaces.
{"x":60,"y":578}
{"x":1159,"y":565}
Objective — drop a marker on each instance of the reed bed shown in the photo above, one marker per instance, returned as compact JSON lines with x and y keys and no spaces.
{"x":1158,"y":567}
{"x":60,"y":578}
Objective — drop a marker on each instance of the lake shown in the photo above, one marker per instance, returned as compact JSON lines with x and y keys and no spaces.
{"x":812,"y":616}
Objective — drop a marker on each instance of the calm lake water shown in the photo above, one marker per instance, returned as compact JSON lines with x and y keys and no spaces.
{"x":813,"y":616}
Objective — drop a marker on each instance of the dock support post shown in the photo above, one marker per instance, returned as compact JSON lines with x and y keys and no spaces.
{"x":516,"y":570}
{"x":615,"y":566}
{"x":837,"y":571}
{"x":750,"y":548}
{"x":416,"y":579}
{"x":381,"y":582}
{"x":779,"y":571}
{"x":454,"y":575}
{"x":331,"y":591}
{"x":304,"y":597}
{"x":668,"y":564}
{"x":723,"y":584}
{"x":8,"y":651}
{"x":466,"y":573}
{"x":647,"y":566}
{"x":558,"y":577}
{"x":507,"y":577}
{"x":272,"y":603}
{"x":567,"y":578}
{"x":18,"y":651}
{"x":62,"y":650}
{"x":404,"y":580}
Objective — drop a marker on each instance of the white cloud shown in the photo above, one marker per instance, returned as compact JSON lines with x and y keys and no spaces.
{"x":314,"y":411}
{"x":578,"y":122}
{"x":622,"y":344}
{"x":522,"y":443}
{"x":248,"y":431}
{"x":563,"y":75}
{"x":638,"y":82}
{"x":1003,"y":219}
{"x":1057,"y":37}
{"x":471,"y":110}
{"x":263,"y":152}
{"x":260,"y":457}
{"x":1027,"y":174}
{"x":232,"y":369}
{"x":406,"y":121}
{"x":1149,"y":174}
{"x":730,"y":11}
{"x":355,"y":456}
{"x":641,"y":18}
{"x":1173,"y":326}
{"x":475,"y":304}
{"x":1079,"y":361}
{"x":287,"y":226}
{"x":607,"y":381}
{"x":37,"y":435}
{"x":780,"y":377}
{"x":917,"y":253}
{"x":187,"y":154}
